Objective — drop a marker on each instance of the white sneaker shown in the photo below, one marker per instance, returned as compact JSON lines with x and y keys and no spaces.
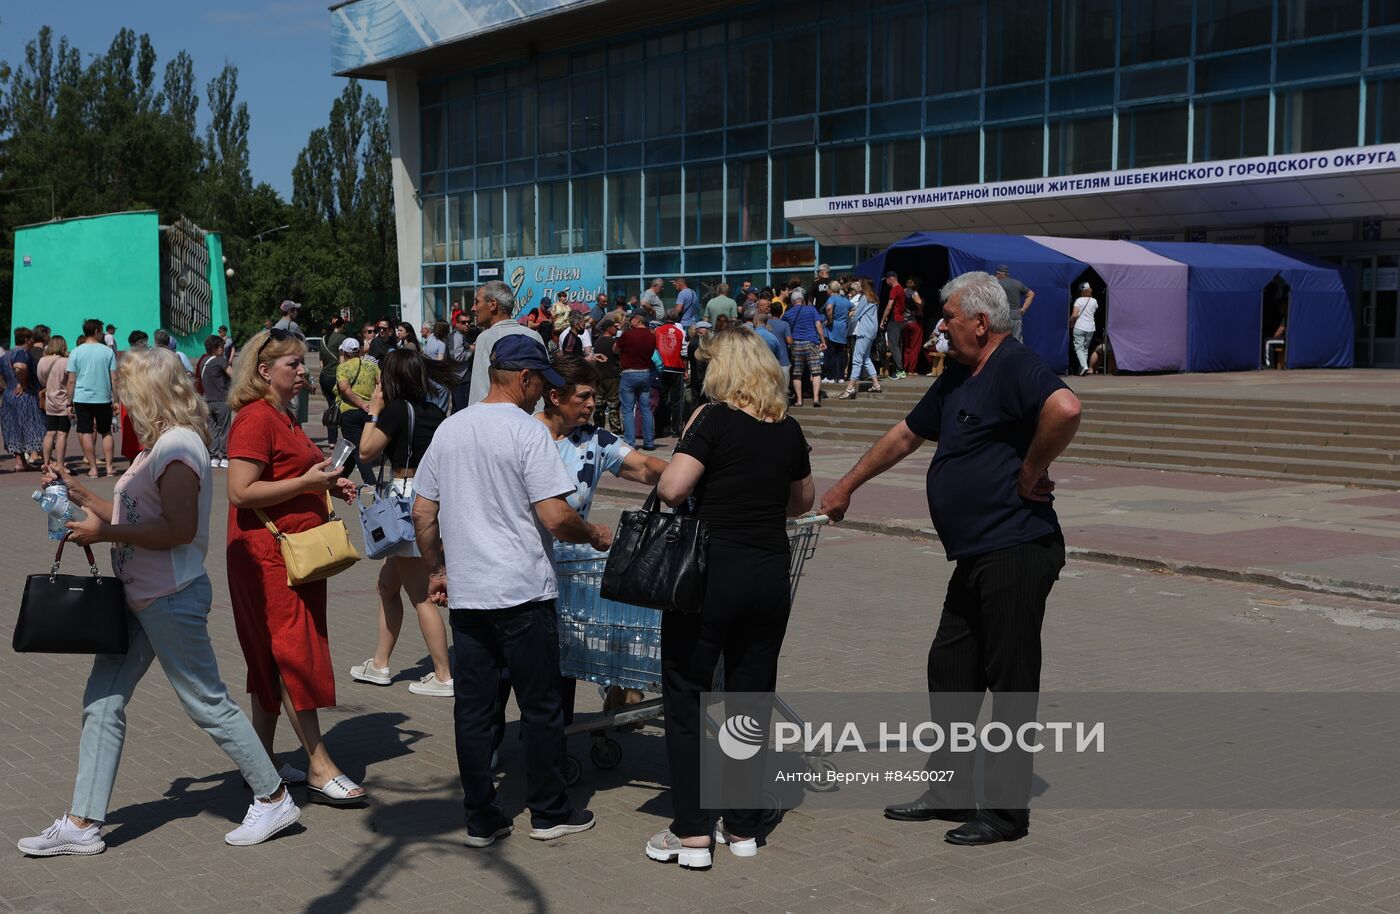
{"x":214,"y":463}
{"x":63,"y":837}
{"x":431,"y":685}
{"x":368,"y":672}
{"x":223,"y":463}
{"x":264,"y":820}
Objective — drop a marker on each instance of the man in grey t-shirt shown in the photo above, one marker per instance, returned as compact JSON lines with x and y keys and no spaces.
{"x":651,"y":300}
{"x":490,"y":498}
{"x":289,"y":320}
{"x":494,"y":305}
{"x":1018,"y":296}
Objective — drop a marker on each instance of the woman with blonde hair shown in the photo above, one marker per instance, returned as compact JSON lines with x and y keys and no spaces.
{"x":276,"y":469}
{"x":52,"y":372}
{"x":744,"y":460}
{"x":864,"y":328}
{"x":158,"y":525}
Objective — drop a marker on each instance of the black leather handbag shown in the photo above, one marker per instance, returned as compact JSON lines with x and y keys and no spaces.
{"x":658,"y":560}
{"x":72,"y":614}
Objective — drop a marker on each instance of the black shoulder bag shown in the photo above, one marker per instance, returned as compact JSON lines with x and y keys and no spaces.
{"x":658,"y":560}
{"x":72,"y":614}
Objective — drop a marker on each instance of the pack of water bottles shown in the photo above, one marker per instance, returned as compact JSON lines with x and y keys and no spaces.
{"x":603,"y":641}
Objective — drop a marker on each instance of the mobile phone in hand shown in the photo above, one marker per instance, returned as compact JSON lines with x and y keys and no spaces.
{"x":341,"y":457}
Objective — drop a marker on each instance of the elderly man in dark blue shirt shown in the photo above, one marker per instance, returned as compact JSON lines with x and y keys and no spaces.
{"x":1000,"y":418}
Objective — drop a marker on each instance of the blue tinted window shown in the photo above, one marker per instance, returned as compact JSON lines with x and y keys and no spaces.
{"x":1016,"y":46}
{"x":1155,"y":30}
{"x":1083,"y":36}
{"x":1225,"y":25}
{"x":954,"y":49}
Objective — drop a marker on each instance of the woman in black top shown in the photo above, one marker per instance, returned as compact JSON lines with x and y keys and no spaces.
{"x":744,"y":461}
{"x":406,"y":377}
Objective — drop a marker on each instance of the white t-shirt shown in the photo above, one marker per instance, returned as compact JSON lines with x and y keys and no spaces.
{"x":1086,"y":307}
{"x":486,"y":468}
{"x":148,"y":574}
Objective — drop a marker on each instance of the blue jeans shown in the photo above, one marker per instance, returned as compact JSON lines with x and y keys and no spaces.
{"x":634,"y":387}
{"x":860,"y":361}
{"x":525,"y":640}
{"x":175,"y":629}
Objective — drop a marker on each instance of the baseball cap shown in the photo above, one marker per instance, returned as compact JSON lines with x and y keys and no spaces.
{"x":289,"y":306}
{"x":518,"y":352}
{"x":822,"y":266}
{"x":1085,"y":285}
{"x":704,"y":325}
{"x":1002,"y":268}
{"x":350,"y":345}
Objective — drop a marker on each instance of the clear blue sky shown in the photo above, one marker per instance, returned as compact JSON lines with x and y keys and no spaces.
{"x":281,"y":49}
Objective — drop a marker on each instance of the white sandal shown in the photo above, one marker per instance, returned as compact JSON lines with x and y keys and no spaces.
{"x":665,"y":847}
{"x":739,"y":847}
{"x":336,"y":792}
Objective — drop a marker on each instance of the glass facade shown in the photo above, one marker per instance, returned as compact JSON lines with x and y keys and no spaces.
{"x":673,"y":151}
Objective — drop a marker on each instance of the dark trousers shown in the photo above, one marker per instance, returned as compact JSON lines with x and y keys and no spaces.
{"x":988,"y":639}
{"x":461,"y":392}
{"x":743,"y":620}
{"x":328,"y":391}
{"x":608,"y":413}
{"x":352,"y":425}
{"x":671,"y":416}
{"x":834,"y":361}
{"x":524,"y":639}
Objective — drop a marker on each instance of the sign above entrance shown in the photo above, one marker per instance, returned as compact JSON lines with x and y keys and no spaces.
{"x":580,"y":276}
{"x":1341,"y":161}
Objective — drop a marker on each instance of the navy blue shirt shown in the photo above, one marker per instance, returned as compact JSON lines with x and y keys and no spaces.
{"x":984,"y":426}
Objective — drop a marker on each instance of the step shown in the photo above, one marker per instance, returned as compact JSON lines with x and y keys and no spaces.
{"x":1329,"y":438}
{"x":1212,"y":450}
{"x":1318,"y":406}
{"x":1273,"y":410}
{"x":1284,"y":424}
{"x":1277,"y":467}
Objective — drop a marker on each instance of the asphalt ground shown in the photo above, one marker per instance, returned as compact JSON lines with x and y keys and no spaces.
{"x":866,"y":610}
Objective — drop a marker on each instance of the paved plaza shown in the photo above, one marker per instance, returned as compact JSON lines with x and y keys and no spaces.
{"x":864,"y":617}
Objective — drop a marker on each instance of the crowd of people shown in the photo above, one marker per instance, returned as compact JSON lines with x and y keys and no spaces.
{"x":496,"y":428}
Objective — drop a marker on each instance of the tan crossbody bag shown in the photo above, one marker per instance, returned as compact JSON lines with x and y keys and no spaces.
{"x":315,"y":554}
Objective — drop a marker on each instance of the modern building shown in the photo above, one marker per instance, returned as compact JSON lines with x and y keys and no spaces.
{"x":593,"y":144}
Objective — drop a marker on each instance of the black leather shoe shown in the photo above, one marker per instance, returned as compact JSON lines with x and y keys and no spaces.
{"x":922,"y":811}
{"x":982,"y":831}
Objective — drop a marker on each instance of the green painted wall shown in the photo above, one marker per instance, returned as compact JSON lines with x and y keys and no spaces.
{"x":107,"y":267}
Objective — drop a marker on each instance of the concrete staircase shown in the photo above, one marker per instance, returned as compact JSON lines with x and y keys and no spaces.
{"x":1352,"y":444}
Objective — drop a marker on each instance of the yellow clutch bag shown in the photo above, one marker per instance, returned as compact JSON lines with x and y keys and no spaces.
{"x":315,"y":554}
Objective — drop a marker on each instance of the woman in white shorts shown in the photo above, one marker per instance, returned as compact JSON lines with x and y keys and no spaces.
{"x":402,"y":420}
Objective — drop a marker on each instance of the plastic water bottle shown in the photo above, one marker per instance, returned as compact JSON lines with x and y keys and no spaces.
{"x":53,"y":501}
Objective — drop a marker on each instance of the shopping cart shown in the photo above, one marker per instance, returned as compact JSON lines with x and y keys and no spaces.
{"x":618,"y":644}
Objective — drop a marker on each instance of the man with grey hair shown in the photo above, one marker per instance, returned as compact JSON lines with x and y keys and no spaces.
{"x":651,"y":300}
{"x":494,"y":306}
{"x":1000,"y":417}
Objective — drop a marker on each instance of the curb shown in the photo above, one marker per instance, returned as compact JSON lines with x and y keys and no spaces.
{"x":1283,"y":580}
{"x":1268,"y":577}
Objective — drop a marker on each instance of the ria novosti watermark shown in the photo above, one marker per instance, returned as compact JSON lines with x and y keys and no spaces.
{"x":1084,"y":750}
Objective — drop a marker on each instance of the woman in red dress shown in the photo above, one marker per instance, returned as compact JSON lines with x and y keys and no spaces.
{"x":274,"y":466}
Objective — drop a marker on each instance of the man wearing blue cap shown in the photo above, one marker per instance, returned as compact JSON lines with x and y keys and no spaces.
{"x":489,"y":501}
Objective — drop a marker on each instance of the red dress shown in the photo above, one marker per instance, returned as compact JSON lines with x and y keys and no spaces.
{"x":282,"y":629}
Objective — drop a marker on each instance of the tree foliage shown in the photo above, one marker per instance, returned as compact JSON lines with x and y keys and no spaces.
{"x":122,"y":133}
